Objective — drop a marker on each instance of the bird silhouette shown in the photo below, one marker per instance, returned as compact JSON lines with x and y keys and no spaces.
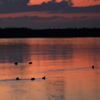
{"x":93,"y":67}
{"x":17,"y":78}
{"x":33,"y":78}
{"x":16,"y":63}
{"x":30,"y":62}
{"x":44,"y":77}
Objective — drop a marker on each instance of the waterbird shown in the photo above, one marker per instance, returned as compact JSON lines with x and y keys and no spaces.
{"x":93,"y":67}
{"x":16,"y":63}
{"x":17,"y":78}
{"x":30,"y":62}
{"x":44,"y":77}
{"x":33,"y":78}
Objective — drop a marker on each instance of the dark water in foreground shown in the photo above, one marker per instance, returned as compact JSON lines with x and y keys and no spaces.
{"x":66,"y":63}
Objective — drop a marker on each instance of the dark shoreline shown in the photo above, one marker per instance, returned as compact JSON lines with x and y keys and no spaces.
{"x":49,"y":33}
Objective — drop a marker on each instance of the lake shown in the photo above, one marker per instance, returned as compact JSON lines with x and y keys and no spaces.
{"x":65,"y":62}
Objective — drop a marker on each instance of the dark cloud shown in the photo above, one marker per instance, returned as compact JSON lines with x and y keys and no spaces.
{"x":36,"y":22}
{"x":26,"y":18}
{"x":53,"y":1}
{"x":88,"y":9}
{"x":13,"y":6}
{"x":12,"y":3}
{"x":95,"y":0}
{"x":36,"y":18}
{"x":84,"y":17}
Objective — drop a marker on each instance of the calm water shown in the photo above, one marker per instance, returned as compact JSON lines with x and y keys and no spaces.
{"x":66,"y":63}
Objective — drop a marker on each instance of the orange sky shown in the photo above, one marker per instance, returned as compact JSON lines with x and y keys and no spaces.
{"x":40,"y":1}
{"x":63,"y":16}
{"x":46,"y":14}
{"x":76,"y":2}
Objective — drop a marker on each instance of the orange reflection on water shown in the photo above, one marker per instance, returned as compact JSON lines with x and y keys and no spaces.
{"x":69,"y":77}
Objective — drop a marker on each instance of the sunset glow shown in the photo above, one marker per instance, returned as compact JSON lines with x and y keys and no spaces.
{"x":78,"y":3}
{"x":84,"y":3}
{"x":50,"y":12}
{"x":46,"y":14}
{"x":32,"y":2}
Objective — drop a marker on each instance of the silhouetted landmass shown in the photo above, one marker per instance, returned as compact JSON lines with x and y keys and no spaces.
{"x":47,"y":33}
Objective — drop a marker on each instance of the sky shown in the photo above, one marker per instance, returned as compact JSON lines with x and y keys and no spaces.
{"x":50,"y":14}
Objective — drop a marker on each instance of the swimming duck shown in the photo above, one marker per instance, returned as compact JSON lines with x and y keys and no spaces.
{"x":93,"y":67}
{"x":33,"y":78}
{"x":16,"y":63}
{"x":44,"y":77}
{"x":30,"y":62}
{"x":17,"y":78}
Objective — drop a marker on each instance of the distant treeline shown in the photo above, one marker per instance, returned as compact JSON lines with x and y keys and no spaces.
{"x":47,"y":33}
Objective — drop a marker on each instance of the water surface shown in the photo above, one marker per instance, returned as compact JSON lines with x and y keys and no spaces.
{"x":66,"y":63}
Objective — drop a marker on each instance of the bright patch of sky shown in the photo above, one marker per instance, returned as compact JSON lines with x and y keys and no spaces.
{"x":75,"y":2}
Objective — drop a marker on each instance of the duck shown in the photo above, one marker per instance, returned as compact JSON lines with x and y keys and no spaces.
{"x":44,"y":78}
{"x":30,"y":62}
{"x":33,"y":78}
{"x":16,"y":63}
{"x":17,"y":78}
{"x":93,"y":67}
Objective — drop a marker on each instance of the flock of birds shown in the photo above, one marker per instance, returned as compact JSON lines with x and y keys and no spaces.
{"x":17,"y":78}
{"x":16,"y":63}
